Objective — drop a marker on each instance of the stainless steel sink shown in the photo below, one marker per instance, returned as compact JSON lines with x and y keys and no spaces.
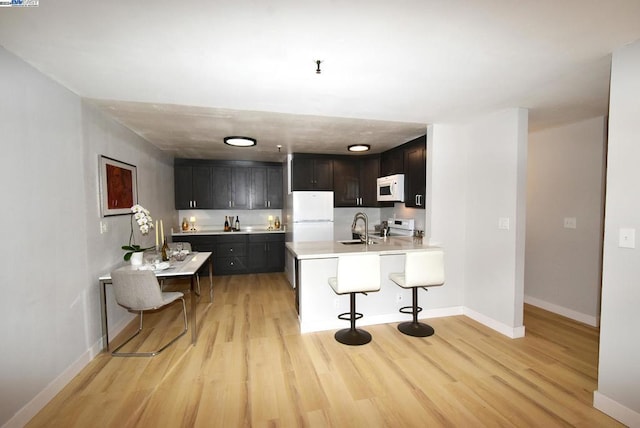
{"x":354,"y":242}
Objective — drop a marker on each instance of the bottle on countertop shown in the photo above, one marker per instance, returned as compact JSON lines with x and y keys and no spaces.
{"x":185,"y":224}
{"x":227,"y":228}
{"x":165,"y":250}
{"x":237,"y":224}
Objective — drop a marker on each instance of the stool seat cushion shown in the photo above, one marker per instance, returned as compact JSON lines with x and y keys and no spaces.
{"x":357,"y":273}
{"x":421,"y":269}
{"x":398,"y":278}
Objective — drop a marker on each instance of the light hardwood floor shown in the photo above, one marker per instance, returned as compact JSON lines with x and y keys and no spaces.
{"x":251,"y":367}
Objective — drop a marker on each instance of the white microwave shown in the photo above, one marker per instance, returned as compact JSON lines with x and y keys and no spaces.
{"x":391,"y":188}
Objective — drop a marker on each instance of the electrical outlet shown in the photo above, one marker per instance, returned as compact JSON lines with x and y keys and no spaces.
{"x":627,"y":238}
{"x":399,"y":298}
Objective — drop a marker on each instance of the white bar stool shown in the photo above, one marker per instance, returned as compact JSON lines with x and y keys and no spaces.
{"x":357,"y":273}
{"x":421,"y":269}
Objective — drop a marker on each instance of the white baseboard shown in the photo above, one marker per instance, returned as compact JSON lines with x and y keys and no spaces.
{"x":511,"y":332}
{"x":616,"y":410}
{"x":29,"y":410}
{"x":335,"y":324}
{"x":24,"y":415}
{"x":565,"y":312}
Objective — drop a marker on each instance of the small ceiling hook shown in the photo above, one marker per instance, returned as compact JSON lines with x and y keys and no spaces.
{"x":318,"y":62}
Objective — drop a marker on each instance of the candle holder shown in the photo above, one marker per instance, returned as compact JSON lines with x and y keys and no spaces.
{"x":270,"y":218}
{"x":192,"y":220}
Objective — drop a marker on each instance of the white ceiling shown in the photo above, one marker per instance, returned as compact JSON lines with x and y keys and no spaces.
{"x":185,"y":74}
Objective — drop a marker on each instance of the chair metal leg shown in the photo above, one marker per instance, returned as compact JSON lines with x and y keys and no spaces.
{"x":415,"y":328}
{"x":115,"y":352}
{"x":352,"y":335}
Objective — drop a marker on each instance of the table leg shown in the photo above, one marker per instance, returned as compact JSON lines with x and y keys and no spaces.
{"x":103,"y":311}
{"x":194,"y":325}
{"x":210,"y":279}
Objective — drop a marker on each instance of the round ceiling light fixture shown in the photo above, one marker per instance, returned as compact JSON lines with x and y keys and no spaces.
{"x":237,"y":141}
{"x":359,"y":148}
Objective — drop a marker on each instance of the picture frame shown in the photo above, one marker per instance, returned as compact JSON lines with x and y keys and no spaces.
{"x":118,"y":186}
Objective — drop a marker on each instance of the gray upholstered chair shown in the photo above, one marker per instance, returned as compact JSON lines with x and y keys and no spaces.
{"x":358,"y":273}
{"x":139,"y":291}
{"x":421,"y":269}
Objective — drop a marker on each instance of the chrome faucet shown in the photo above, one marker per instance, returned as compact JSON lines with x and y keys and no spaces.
{"x":363,"y":216}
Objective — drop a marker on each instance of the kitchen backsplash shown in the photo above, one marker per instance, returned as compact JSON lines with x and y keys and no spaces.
{"x":343,"y":217}
{"x":214,"y":219}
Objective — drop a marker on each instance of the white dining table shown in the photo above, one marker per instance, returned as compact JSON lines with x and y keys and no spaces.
{"x":189,"y":267}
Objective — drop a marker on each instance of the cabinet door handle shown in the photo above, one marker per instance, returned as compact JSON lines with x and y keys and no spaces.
{"x":231,"y":250}
{"x":195,"y":204}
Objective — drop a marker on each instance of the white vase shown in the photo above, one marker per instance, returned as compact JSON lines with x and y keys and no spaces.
{"x":136,"y":258}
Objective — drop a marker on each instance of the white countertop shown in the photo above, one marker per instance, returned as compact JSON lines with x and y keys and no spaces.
{"x":331,"y":249}
{"x":220,"y":231}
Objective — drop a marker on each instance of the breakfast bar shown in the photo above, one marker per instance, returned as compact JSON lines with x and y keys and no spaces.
{"x":318,"y":305}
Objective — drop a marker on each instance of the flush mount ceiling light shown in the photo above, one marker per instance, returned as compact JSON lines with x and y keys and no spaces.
{"x":359,"y":148}
{"x":240,"y":141}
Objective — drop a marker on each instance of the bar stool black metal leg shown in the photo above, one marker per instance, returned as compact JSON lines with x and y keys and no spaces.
{"x":352,"y":335}
{"x":415,"y":328}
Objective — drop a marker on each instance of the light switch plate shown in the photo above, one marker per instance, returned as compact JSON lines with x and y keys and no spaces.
{"x":627,"y":238}
{"x":570,"y":222}
{"x":503,"y":223}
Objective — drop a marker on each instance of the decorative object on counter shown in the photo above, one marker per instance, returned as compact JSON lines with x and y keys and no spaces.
{"x":145,"y":223}
{"x":227,"y":228}
{"x":417,"y":236}
{"x":384,"y":229}
{"x":192,"y":220}
{"x":165,"y":250}
{"x":236,"y":225}
{"x":276,"y":223}
{"x":185,"y":224}
{"x":270,"y":218}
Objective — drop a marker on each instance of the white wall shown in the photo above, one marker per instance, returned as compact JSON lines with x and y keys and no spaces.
{"x":566,"y":180}
{"x":618,"y":391}
{"x":476,"y":175}
{"x":52,"y":250}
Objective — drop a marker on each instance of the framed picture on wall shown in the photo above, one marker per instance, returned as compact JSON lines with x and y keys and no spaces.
{"x":118,"y":187}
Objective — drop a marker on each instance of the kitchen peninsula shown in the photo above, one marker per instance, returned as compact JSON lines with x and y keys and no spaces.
{"x":318,"y":305}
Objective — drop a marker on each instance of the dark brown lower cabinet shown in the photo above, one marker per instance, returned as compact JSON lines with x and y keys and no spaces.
{"x":240,"y":253}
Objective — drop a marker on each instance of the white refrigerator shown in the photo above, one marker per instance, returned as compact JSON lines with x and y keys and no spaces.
{"x":312,"y":216}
